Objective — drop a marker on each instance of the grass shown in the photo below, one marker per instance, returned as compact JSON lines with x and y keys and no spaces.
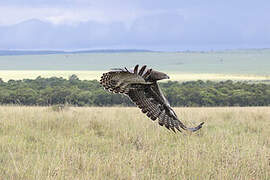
{"x":91,"y":75}
{"x":121,"y":143}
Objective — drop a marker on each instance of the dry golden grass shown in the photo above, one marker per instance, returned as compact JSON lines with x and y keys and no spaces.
{"x":91,"y":75}
{"x":121,"y":143}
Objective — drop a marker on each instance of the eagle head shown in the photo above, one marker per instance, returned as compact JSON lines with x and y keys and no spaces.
{"x":156,"y":75}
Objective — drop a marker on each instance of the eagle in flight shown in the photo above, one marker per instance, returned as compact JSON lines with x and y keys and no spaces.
{"x":141,"y":86}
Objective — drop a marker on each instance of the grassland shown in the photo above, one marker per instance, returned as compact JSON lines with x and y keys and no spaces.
{"x":248,"y":65}
{"x":254,"y":62}
{"x":91,"y":75}
{"x":121,"y":143}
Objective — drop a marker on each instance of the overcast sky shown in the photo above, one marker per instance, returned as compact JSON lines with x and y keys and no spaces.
{"x":152,"y":24}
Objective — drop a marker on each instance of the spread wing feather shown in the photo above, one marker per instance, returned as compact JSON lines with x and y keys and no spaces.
{"x":121,"y":80}
{"x":146,"y":95}
{"x":154,"y":109}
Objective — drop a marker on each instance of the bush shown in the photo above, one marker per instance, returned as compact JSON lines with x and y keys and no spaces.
{"x":53,"y":91}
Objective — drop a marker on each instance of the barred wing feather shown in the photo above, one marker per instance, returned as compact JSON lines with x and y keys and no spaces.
{"x":121,"y":81}
{"x":152,"y":102}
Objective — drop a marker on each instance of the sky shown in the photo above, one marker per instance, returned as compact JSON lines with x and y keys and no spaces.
{"x":172,"y":25}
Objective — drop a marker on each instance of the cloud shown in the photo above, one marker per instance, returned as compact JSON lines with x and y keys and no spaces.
{"x":160,"y":31}
{"x":72,"y":11}
{"x":67,"y":24}
{"x":13,"y":15}
{"x":67,"y":11}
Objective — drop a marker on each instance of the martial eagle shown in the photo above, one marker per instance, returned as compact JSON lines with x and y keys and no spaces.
{"x":142,"y":88}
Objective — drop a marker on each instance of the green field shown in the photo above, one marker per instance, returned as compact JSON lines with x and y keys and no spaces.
{"x":122,"y":143}
{"x":223,"y":62}
{"x":236,"y":65}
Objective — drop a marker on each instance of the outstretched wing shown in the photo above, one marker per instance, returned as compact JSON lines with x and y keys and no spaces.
{"x":120,"y":80}
{"x":146,"y":95}
{"x":151,"y":101}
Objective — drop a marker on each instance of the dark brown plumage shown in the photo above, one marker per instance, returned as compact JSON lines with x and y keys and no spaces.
{"x":142,"y":88}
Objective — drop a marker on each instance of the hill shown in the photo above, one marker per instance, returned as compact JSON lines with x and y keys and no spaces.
{"x":46,"y":52}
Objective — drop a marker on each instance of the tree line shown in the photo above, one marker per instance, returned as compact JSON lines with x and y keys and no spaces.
{"x":51,"y":91}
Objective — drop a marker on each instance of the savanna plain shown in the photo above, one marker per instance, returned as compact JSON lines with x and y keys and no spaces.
{"x":122,"y":143}
{"x":239,"y":65}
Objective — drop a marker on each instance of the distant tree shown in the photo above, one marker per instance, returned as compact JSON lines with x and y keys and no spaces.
{"x":73,"y":77}
{"x":50,"y":91}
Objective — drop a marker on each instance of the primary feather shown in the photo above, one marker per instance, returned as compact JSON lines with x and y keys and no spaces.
{"x":142,"y":88}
